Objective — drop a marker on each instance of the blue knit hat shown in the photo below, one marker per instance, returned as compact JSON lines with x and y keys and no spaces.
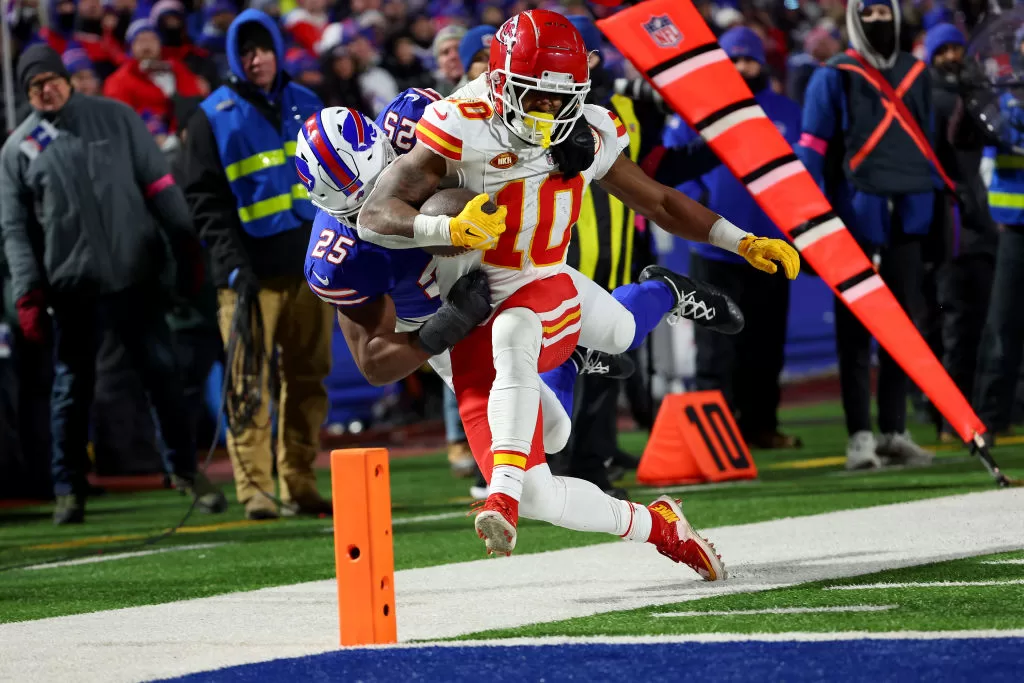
{"x":939,"y":35}
{"x":588,"y":29}
{"x":76,"y":59}
{"x":136,"y":27}
{"x":476,"y":39}
{"x":742,"y":42}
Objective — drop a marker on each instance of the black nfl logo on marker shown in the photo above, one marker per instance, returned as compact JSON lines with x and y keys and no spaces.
{"x":663,"y":32}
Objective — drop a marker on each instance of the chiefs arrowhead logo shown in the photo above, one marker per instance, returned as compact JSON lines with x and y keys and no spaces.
{"x":504,"y":160}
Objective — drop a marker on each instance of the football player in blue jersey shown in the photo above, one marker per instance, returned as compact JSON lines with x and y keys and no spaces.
{"x":390,"y":311}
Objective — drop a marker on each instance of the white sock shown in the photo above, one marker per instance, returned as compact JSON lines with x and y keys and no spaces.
{"x":580,"y":505}
{"x":507,"y":479}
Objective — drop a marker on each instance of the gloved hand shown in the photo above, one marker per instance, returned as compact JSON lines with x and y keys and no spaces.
{"x":32,"y":316}
{"x":191,"y":270}
{"x":468,"y":304}
{"x":244,"y":282}
{"x":476,"y":229}
{"x":762,"y":252}
{"x":576,"y":153}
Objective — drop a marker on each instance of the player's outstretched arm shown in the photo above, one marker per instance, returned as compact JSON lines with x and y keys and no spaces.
{"x":678,"y":214}
{"x":391,"y":218}
{"x":381,"y":354}
{"x":385,"y":356}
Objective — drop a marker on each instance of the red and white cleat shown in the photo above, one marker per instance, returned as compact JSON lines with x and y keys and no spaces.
{"x":496,"y":523}
{"x":676,"y":540}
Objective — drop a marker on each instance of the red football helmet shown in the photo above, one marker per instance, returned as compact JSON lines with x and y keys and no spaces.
{"x":538,"y":50}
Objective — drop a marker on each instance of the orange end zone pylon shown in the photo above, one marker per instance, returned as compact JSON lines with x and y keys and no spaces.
{"x":364,"y":554}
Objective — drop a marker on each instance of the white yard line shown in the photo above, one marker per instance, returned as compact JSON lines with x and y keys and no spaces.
{"x":1015,"y":560}
{"x":793,"y":636}
{"x":926,"y":584}
{"x":155,"y":641}
{"x":778,"y":610}
{"x":123,"y":556}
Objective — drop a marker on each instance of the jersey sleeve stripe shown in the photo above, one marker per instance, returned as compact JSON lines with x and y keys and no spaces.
{"x":429,"y":93}
{"x":341,"y":297}
{"x":434,"y":138}
{"x":620,"y":129}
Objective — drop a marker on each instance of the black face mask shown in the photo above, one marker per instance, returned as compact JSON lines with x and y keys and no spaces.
{"x":881,"y":36}
{"x":66,"y":22}
{"x":124,"y":19}
{"x":952,"y":69}
{"x":757,"y":83}
{"x":171,"y":37}
{"x":93,"y":26}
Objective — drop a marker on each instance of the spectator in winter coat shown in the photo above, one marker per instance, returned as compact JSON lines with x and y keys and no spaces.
{"x":86,"y":206}
{"x":169,"y":18}
{"x":446,"y":54}
{"x":151,"y":85}
{"x":67,"y":19}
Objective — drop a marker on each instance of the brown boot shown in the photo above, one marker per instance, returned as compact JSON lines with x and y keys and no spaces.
{"x":305,"y":500}
{"x":461,"y":460}
{"x":260,"y":507}
{"x":774,"y":440}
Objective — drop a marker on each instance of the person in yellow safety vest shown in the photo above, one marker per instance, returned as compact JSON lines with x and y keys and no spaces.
{"x":255,"y":217}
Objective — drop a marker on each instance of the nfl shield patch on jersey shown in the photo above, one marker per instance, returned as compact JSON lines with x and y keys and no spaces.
{"x":663,"y":32}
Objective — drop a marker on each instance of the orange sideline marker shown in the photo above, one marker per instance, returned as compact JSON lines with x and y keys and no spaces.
{"x":364,"y":554}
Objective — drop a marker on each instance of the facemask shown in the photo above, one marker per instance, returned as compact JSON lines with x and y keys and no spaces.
{"x":757,"y":83}
{"x":93,"y":26}
{"x":952,"y":68}
{"x":881,"y":36}
{"x":66,"y":22}
{"x":171,"y":37}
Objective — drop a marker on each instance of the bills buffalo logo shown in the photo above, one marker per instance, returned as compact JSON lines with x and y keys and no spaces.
{"x":302,"y":168}
{"x":358,"y":132}
{"x":504,"y":160}
{"x":663,"y":32}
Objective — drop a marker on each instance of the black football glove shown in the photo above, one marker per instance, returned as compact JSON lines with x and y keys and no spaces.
{"x":468,"y":304}
{"x":575,"y":154}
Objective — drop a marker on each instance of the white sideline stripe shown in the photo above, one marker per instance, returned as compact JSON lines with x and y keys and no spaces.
{"x":174,"y":639}
{"x":778,"y":610}
{"x":1018,"y":560}
{"x":123,"y":556}
{"x":926,"y":584}
{"x":399,"y":521}
{"x":791,"y":637}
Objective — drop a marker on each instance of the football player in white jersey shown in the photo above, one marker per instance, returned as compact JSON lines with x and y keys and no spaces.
{"x":532,"y":145}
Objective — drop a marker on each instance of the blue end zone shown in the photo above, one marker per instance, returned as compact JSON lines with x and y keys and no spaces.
{"x":979,"y":659}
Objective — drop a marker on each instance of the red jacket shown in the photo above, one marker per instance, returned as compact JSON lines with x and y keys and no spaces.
{"x":105,"y":49}
{"x":129,"y":84}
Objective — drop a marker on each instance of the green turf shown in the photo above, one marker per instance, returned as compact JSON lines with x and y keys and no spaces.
{"x":915,"y":609}
{"x":294,"y":550}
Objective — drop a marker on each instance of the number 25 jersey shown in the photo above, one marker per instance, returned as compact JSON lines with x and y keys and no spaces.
{"x":483,"y":155}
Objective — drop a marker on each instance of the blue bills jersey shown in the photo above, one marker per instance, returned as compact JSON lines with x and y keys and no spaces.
{"x":398,"y":120}
{"x":346,"y":271}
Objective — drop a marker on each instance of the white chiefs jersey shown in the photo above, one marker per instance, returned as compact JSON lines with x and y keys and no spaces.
{"x":483,"y":155}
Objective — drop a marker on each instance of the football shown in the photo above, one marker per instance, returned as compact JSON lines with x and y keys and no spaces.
{"x":450,"y":203}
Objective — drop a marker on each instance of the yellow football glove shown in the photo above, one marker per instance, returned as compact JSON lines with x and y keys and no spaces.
{"x":762,"y":252}
{"x":476,"y":229}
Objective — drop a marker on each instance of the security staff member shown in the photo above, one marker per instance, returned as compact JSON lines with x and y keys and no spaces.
{"x":882,"y":184}
{"x":255,"y":217}
{"x":745,"y":367}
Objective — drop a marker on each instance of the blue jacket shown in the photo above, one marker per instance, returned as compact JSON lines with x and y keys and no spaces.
{"x":257,"y":155}
{"x":724,"y":193}
{"x":825,"y":124}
